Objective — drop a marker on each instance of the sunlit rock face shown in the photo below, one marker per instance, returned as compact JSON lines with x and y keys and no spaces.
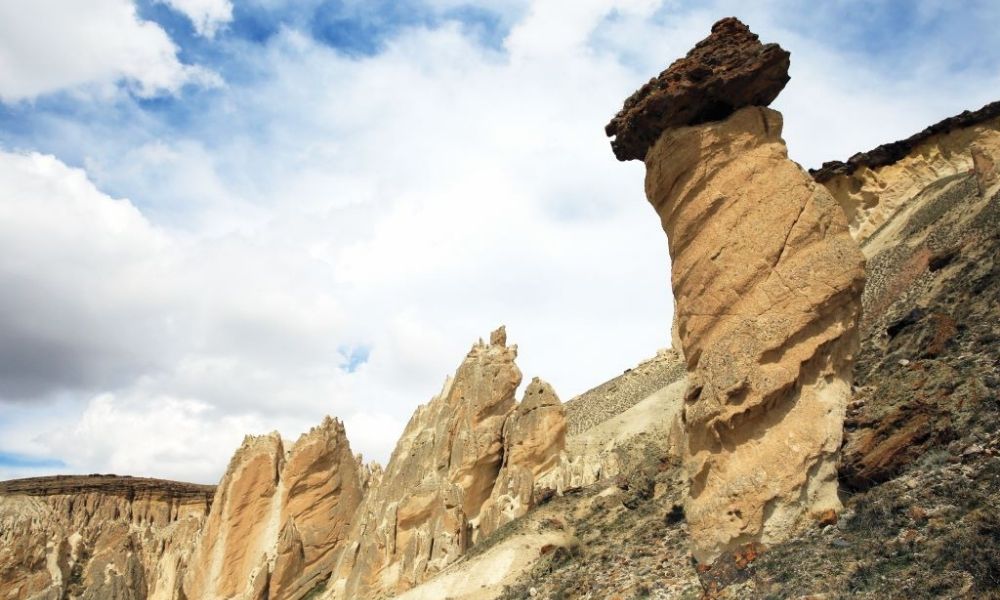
{"x":463,"y":466}
{"x":97,"y":537}
{"x":534,"y":435}
{"x":767,"y":284}
{"x":279,"y":518}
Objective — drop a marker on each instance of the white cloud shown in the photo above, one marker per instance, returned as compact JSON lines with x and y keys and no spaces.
{"x":52,"y":45}
{"x":403,"y":203}
{"x":206,"y":15}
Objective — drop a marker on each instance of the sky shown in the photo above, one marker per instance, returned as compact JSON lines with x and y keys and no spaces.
{"x":227,"y":217}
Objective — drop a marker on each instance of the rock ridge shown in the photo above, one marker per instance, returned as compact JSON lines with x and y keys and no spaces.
{"x":888,"y":154}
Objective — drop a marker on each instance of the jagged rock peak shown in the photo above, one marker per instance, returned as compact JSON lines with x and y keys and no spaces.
{"x":726,"y":71}
{"x":891,"y":153}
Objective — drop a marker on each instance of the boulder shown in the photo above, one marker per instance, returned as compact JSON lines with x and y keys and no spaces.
{"x":726,"y":71}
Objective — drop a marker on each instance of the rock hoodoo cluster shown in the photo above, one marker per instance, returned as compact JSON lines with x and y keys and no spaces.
{"x":307,"y":519}
{"x":465,"y":465}
{"x":97,"y":536}
{"x":767,"y":284}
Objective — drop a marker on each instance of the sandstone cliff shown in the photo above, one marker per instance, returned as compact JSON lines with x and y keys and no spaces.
{"x":921,"y":455}
{"x":872,"y":187}
{"x":738,"y":439}
{"x":278,"y":517}
{"x":97,"y":537}
{"x":465,"y":465}
{"x":767,"y":285}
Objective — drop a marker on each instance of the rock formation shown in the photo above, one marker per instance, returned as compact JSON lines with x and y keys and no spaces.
{"x":925,"y":211}
{"x":534,"y":435}
{"x":767,"y":285}
{"x":607,"y":425}
{"x":278,"y":517}
{"x":726,"y":71}
{"x":467,"y":456}
{"x":873,"y":186}
{"x":96,"y":537}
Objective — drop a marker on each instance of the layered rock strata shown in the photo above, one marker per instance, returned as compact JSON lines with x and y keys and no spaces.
{"x":929,"y":229}
{"x":96,"y":537}
{"x":464,"y":465}
{"x":767,"y":284}
{"x":872,"y":187}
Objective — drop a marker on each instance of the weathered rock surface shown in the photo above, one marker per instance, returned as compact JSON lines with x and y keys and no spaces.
{"x":767,"y":285}
{"x":279,"y":518}
{"x":893,"y":152}
{"x":97,"y":536}
{"x":242,"y":526}
{"x":465,"y":461}
{"x":726,"y":71}
{"x":930,"y":236}
{"x":873,"y":187}
{"x":534,"y":436}
{"x":610,"y":424}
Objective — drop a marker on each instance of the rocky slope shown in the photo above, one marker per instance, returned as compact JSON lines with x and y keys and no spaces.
{"x":920,"y":463}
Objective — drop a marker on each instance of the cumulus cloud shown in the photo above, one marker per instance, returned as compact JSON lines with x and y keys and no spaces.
{"x":52,"y":45}
{"x":206,"y":15}
{"x":329,"y":233}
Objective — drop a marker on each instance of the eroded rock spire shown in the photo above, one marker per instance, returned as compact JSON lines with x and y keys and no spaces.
{"x":767,"y":285}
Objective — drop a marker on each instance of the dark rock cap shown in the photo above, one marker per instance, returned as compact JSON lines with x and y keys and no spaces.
{"x":888,"y":154}
{"x":724,"y":72}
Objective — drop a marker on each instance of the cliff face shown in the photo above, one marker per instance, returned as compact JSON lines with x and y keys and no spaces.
{"x":731,"y":450}
{"x":874,"y":186}
{"x":299,"y":521}
{"x":97,"y":537}
{"x":278,"y":518}
{"x":465,"y":465}
{"x":767,"y":285}
{"x":920,"y":461}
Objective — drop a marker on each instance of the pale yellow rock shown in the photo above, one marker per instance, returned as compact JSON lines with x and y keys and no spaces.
{"x":598,"y":452}
{"x":91,"y":545}
{"x":871,"y":197}
{"x":279,"y":519}
{"x":323,"y":489}
{"x":416,"y":521}
{"x":243,"y":525}
{"x":767,"y":284}
{"x":451,"y":470}
{"x":534,"y":436}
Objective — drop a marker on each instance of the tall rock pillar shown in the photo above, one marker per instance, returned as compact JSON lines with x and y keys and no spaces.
{"x":767,"y":285}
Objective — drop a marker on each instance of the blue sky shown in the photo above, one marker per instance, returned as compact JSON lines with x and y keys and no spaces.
{"x":220,"y":218}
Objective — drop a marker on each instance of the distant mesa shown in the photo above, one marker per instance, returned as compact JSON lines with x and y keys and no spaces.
{"x":726,"y":71}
